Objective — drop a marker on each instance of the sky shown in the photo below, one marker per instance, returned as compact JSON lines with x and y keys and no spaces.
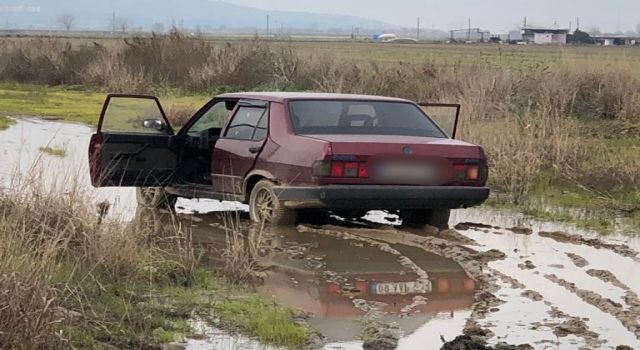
{"x":494,"y":15}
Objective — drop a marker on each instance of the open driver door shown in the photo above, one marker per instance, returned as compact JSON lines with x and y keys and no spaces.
{"x":134,"y":144}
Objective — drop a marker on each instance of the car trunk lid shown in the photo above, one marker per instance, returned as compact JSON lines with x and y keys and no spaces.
{"x":399,"y":160}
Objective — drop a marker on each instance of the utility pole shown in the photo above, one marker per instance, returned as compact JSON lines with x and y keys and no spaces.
{"x":267,"y":26}
{"x":525,"y":22}
{"x":418,"y":30}
{"x":577,"y":23}
{"x":113,"y":23}
{"x":469,"y":31}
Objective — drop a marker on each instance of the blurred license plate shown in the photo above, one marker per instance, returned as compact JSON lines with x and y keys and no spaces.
{"x":405,"y":172}
{"x":398,"y":288}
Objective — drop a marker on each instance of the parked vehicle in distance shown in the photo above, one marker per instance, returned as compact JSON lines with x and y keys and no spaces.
{"x":288,"y":153}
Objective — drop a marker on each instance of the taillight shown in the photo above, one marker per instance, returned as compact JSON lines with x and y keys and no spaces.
{"x":337,"y":169}
{"x":334,"y":168}
{"x":470,"y":171}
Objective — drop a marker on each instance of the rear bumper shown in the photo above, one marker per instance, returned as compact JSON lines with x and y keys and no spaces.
{"x":372,"y":197}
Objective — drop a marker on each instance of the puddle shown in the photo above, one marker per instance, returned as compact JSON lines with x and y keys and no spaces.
{"x":208,"y":337}
{"x":339,"y":280}
{"x":514,"y":320}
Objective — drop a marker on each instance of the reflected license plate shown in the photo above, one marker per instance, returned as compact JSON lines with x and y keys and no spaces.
{"x":399,"y":288}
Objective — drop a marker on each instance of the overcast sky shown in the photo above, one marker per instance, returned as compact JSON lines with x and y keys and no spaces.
{"x":495,"y":15}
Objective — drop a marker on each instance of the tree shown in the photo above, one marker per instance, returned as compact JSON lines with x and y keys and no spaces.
{"x":66,"y":21}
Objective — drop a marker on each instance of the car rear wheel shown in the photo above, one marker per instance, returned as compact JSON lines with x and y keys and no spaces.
{"x":155,"y":198}
{"x":438,"y":218}
{"x":265,"y":207}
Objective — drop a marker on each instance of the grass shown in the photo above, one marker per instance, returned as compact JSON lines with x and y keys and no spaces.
{"x":267,"y":321}
{"x":72,"y":104}
{"x":5,"y":122}
{"x":71,"y":280}
{"x":55,"y":152}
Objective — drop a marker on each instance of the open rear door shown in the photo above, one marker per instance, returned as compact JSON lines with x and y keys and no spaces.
{"x":445,"y":115}
{"x":134,"y":144}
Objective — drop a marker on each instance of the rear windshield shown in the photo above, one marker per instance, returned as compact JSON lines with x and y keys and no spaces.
{"x":327,"y":117}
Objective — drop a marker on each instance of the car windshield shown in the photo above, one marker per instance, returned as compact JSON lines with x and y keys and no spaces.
{"x":341,"y":117}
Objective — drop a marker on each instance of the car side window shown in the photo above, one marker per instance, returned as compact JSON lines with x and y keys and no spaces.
{"x":215,"y":117}
{"x":245,"y":123}
{"x":261,"y":129}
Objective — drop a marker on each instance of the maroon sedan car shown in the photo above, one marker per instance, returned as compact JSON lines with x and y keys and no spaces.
{"x":287,"y":153}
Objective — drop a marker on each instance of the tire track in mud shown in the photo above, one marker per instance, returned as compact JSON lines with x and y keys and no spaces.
{"x":474,"y":264}
{"x":570,"y":324}
{"x":564,"y":237}
{"x":470,"y":260}
{"x":629,"y":318}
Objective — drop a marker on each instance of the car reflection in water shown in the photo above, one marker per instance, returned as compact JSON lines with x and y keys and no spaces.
{"x":338,"y":281}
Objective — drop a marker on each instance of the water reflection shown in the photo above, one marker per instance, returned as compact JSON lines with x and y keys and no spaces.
{"x":339,"y":282}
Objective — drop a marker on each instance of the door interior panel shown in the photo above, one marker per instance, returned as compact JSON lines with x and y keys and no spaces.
{"x":137,"y":160}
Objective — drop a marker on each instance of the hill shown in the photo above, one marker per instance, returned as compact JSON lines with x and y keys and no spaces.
{"x":206,"y":14}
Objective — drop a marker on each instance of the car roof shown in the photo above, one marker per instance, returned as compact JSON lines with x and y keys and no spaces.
{"x":284,"y":96}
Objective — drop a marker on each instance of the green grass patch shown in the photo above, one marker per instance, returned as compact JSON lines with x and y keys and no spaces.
{"x":5,"y":122}
{"x":138,"y":313}
{"x":270,"y":323}
{"x":73,"y":105}
{"x":55,"y":152}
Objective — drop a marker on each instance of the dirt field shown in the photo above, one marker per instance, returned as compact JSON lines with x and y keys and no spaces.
{"x":500,"y":274}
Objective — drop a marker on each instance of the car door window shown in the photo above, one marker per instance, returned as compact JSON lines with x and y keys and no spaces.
{"x":244,"y":123}
{"x":134,"y":114}
{"x":215,"y":117}
{"x":261,"y":129}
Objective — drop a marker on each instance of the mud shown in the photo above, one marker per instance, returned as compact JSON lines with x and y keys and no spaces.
{"x":577,"y":260}
{"x":521,"y":230}
{"x":565,"y":237}
{"x":607,"y":276}
{"x":379,"y":336}
{"x":533,"y":295}
{"x":629,"y":318}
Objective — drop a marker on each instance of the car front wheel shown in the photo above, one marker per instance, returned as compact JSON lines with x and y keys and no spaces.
{"x":155,"y":198}
{"x":265,"y":207}
{"x":438,"y":218}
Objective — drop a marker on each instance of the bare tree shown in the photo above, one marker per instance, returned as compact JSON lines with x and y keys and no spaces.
{"x":66,"y":21}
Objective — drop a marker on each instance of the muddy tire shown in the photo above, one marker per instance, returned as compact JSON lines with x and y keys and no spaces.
{"x":438,"y":218}
{"x":264,"y":206}
{"x":155,"y":198}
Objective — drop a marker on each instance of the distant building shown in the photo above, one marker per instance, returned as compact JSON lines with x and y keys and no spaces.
{"x":615,"y":40}
{"x":384,"y":37}
{"x":514,"y":36}
{"x":540,"y":35}
{"x":469,"y":35}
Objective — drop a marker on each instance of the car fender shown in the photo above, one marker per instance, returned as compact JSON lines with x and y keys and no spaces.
{"x":256,"y":172}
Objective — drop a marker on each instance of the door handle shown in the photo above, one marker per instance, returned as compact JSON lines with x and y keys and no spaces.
{"x":254,"y":149}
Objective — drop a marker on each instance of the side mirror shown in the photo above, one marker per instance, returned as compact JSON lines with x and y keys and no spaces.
{"x":155,"y":124}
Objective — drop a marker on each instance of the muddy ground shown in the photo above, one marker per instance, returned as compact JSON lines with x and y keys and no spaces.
{"x":496,"y":277}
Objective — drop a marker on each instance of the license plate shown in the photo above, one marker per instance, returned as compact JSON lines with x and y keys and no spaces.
{"x":405,"y":172}
{"x":399,"y":288}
